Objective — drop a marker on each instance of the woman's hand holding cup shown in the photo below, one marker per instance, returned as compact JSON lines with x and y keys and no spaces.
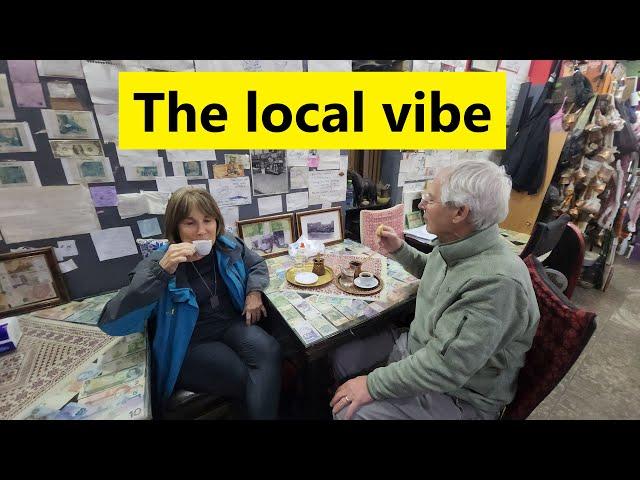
{"x":178,"y":253}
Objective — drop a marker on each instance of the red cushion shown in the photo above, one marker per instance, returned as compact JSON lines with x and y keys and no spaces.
{"x":562,"y":334}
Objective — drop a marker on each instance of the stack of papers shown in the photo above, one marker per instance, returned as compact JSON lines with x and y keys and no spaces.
{"x":421,"y":234}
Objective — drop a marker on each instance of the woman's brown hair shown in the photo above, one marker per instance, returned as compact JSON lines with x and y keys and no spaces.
{"x":180,"y":205}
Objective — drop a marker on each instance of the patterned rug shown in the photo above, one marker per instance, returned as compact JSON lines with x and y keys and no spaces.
{"x":48,"y":353}
{"x":336,"y":262}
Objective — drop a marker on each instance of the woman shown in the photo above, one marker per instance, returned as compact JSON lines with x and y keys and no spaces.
{"x":204,"y":337}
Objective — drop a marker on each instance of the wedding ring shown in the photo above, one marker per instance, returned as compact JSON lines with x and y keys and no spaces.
{"x":347,"y":399}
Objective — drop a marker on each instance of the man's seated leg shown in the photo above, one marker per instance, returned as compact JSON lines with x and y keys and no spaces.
{"x":359,"y":356}
{"x":429,"y":406}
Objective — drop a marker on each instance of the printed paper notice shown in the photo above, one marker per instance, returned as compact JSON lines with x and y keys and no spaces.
{"x":171,"y":184}
{"x":67,"y":266}
{"x":329,"y":159}
{"x":61,"y":90}
{"x":149,"y":227}
{"x":297,"y":201}
{"x":68,"y":248}
{"x":329,"y":65}
{"x":269,"y":205}
{"x":191,"y":155}
{"x":298,"y":177}
{"x":114,"y":243}
{"x":297,"y":158}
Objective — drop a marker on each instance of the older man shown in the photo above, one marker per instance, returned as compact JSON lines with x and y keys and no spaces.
{"x":475,"y":318}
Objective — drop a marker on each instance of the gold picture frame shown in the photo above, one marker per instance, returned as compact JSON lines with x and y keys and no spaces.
{"x":325,"y":223}
{"x":268,"y":236}
{"x":30,"y":280}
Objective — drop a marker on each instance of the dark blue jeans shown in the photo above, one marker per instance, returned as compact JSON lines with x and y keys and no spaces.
{"x":243,"y":362}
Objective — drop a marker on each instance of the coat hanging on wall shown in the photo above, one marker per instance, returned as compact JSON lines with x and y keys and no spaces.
{"x":525,"y":157}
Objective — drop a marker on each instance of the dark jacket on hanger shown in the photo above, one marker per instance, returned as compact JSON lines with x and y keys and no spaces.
{"x":526,"y":156}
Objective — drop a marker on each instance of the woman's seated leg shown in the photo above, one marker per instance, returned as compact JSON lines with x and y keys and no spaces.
{"x":213,"y":367}
{"x":262,"y":355}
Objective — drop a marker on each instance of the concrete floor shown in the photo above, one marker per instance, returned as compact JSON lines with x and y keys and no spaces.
{"x":604,"y":383}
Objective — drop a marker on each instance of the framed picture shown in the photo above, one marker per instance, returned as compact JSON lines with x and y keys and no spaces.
{"x":146,"y":170}
{"x":243,"y":160}
{"x":268,"y":236}
{"x":414,"y":219}
{"x":228,"y":170}
{"x":69,"y":124}
{"x":18,"y":174}
{"x":484,"y":65}
{"x":30,"y":280}
{"x":16,"y":137}
{"x":193,"y":170}
{"x":6,"y":106}
{"x":87,"y":170}
{"x":324,"y":225}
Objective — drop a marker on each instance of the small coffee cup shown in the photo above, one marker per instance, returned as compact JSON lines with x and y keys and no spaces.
{"x":367,"y":278}
{"x":203,"y":247}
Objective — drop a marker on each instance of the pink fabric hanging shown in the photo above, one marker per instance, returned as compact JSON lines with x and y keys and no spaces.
{"x":555,"y":122}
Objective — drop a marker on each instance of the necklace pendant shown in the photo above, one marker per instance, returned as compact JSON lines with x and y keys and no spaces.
{"x":214,"y":301}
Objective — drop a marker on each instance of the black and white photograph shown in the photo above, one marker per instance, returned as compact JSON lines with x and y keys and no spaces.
{"x":269,"y":172}
{"x":321,"y":230}
{"x":324,"y":225}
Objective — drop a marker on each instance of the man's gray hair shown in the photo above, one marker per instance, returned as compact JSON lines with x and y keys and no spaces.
{"x":481,"y":185}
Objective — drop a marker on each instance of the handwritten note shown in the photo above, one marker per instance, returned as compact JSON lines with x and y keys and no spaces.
{"x":327,"y":186}
{"x":231,"y":191}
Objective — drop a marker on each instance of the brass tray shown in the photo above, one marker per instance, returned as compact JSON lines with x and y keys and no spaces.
{"x":357,"y":290}
{"x":322,"y":280}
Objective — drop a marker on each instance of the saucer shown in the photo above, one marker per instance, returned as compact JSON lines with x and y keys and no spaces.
{"x":360,"y":283}
{"x":306,"y":278}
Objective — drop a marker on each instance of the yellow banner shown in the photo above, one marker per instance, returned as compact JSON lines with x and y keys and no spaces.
{"x":300,"y":110}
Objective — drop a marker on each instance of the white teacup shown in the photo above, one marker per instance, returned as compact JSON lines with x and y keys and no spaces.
{"x":203,"y":247}
{"x":367,"y":279}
